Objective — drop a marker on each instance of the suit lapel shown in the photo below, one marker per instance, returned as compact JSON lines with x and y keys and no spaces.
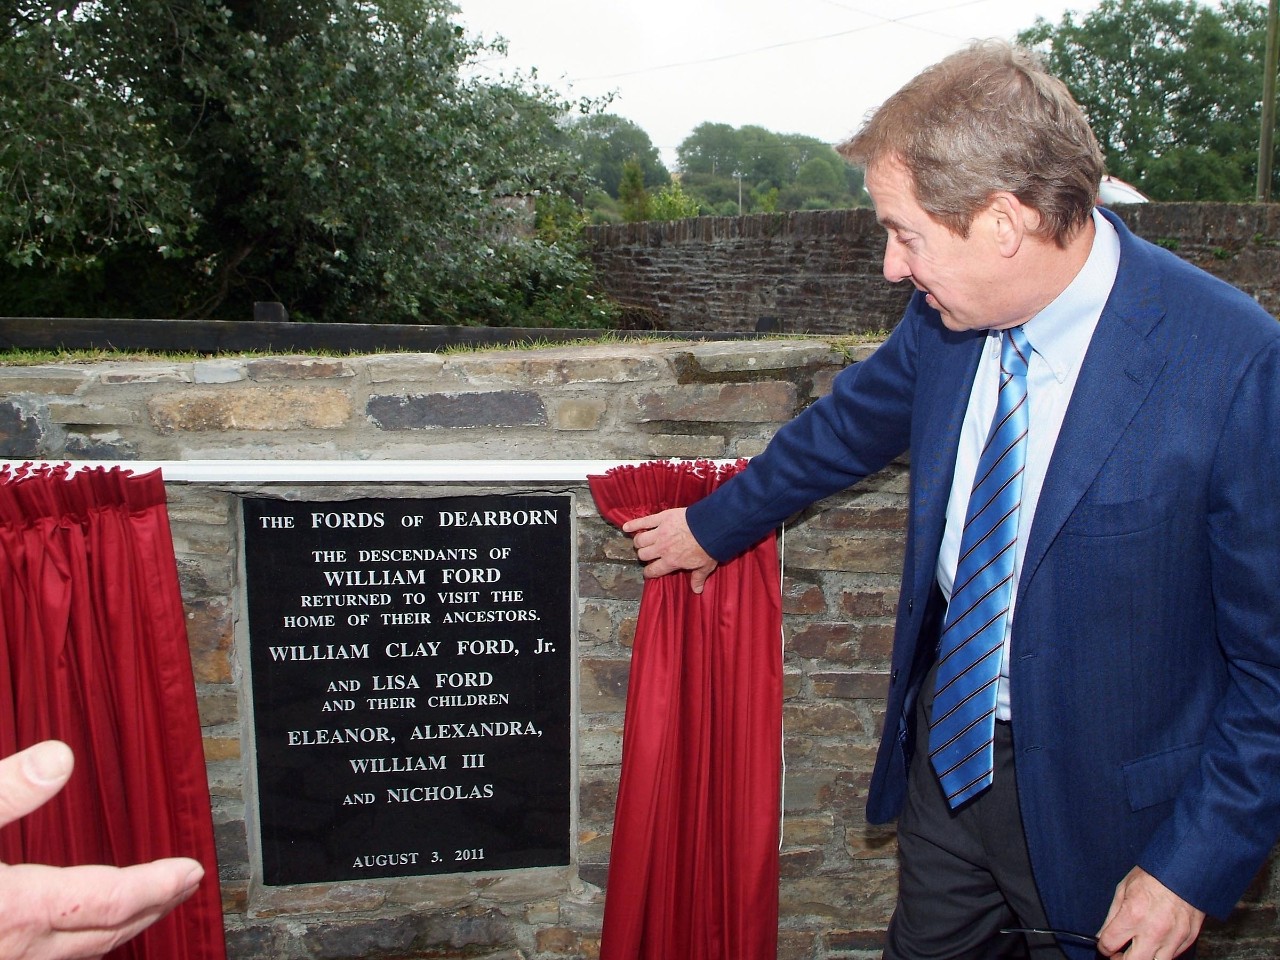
{"x":1116,"y":376}
{"x":942,"y":399}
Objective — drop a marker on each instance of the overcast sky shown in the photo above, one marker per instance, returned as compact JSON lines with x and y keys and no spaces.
{"x":793,"y":66}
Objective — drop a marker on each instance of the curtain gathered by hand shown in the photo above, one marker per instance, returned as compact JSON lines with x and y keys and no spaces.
{"x":693,"y":870}
{"x":93,"y":651}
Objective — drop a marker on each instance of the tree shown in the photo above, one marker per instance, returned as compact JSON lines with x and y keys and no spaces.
{"x":769,"y":170}
{"x":711,"y":148}
{"x":632,"y":194}
{"x":604,"y":142}
{"x":672,"y":203}
{"x":185,"y":157}
{"x":1171,"y":88}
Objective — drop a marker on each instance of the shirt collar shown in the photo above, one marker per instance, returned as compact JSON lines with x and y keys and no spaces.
{"x":1060,"y":333}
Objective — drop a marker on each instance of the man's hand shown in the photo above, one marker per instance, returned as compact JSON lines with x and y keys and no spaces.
{"x":75,"y":913}
{"x":1148,"y":918}
{"x":664,"y":544}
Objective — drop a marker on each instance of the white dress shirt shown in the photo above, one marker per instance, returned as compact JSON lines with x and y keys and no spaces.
{"x":1059,"y":336}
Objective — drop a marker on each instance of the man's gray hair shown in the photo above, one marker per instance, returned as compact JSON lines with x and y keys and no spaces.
{"x":987,"y":119}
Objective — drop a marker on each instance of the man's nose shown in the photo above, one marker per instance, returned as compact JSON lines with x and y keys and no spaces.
{"x":895,"y":265}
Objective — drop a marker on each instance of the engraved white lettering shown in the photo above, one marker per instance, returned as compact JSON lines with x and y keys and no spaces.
{"x":328,"y":651}
{"x":499,"y":518}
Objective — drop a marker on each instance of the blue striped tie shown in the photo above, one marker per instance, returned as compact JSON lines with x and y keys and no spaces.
{"x":962,"y":730}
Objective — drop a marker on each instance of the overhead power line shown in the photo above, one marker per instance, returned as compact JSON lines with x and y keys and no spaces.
{"x":884,"y":21}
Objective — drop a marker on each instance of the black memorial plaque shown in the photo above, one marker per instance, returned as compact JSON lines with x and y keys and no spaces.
{"x":411,"y":691}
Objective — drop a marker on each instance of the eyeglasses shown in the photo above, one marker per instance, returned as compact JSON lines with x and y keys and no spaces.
{"x":1060,"y":934}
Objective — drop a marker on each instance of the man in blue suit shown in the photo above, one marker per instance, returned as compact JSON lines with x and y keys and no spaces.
{"x":1127,"y":711}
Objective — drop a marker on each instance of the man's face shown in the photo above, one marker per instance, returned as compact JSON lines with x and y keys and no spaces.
{"x":960,"y":276}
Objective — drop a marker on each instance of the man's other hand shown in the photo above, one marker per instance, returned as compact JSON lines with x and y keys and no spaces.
{"x":75,"y":913}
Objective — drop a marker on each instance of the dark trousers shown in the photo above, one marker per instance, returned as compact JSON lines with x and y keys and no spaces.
{"x":964,"y":874}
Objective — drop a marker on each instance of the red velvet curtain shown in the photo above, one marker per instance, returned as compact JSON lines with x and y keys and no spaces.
{"x":693,"y":871}
{"x":93,"y":651}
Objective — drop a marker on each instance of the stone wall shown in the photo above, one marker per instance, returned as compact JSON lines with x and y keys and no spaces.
{"x":819,"y":272}
{"x":605,"y":402}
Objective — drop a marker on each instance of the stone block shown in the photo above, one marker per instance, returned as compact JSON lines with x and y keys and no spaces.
{"x":596,"y":874}
{"x":822,"y":640}
{"x":826,"y":718}
{"x":403,"y":367}
{"x":866,"y":897}
{"x":849,"y":941}
{"x":557,"y":366}
{"x":299,"y":368}
{"x":257,"y":941}
{"x":749,"y":447}
{"x":399,"y":938}
{"x":800,"y":597}
{"x":800,"y":862}
{"x":522,"y":886}
{"x":792,"y":682}
{"x":193,"y":504}
{"x":226,"y":780}
{"x":859,"y":601}
{"x":850,"y":685}
{"x":804,"y":789}
{"x":597,"y":797}
{"x":868,"y":554}
{"x":814,"y":830}
{"x":217,"y":371}
{"x":544,"y":913}
{"x":842,"y":753}
{"x":685,"y":447}
{"x":209,"y":635}
{"x":232,"y":846}
{"x":498,"y":408}
{"x":768,"y":402}
{"x":221,"y":748}
{"x":559,"y":942}
{"x":600,"y":747}
{"x":203,"y":576}
{"x":216,"y":705}
{"x":756,"y":356}
{"x":796,"y":944}
{"x":141,"y":373}
{"x":316,"y":898}
{"x":91,"y":414}
{"x":866,"y":841}
{"x":627,"y":631}
{"x":610,"y":581}
{"x":875,"y":641}
{"x":109,"y":445}
{"x":21,"y":432}
{"x":602,"y":686}
{"x":580,"y":414}
{"x":235,"y":900}
{"x":255,"y":409}
{"x":43,"y":381}
{"x":595,"y":624}
{"x":869,"y":517}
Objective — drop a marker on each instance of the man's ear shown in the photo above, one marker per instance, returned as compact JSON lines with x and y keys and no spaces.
{"x":1012,"y":222}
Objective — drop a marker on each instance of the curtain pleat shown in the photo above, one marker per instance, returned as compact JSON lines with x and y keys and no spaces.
{"x":93,"y":651}
{"x":693,"y":871}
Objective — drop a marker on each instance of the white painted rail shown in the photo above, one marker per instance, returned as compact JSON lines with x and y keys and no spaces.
{"x":350,"y":471}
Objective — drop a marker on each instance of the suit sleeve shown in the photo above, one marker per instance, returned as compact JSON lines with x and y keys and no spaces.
{"x":849,"y":434}
{"x":1227,"y":816}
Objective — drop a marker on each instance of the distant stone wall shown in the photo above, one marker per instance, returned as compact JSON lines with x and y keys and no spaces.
{"x":842,"y":562}
{"x":820,"y":271}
